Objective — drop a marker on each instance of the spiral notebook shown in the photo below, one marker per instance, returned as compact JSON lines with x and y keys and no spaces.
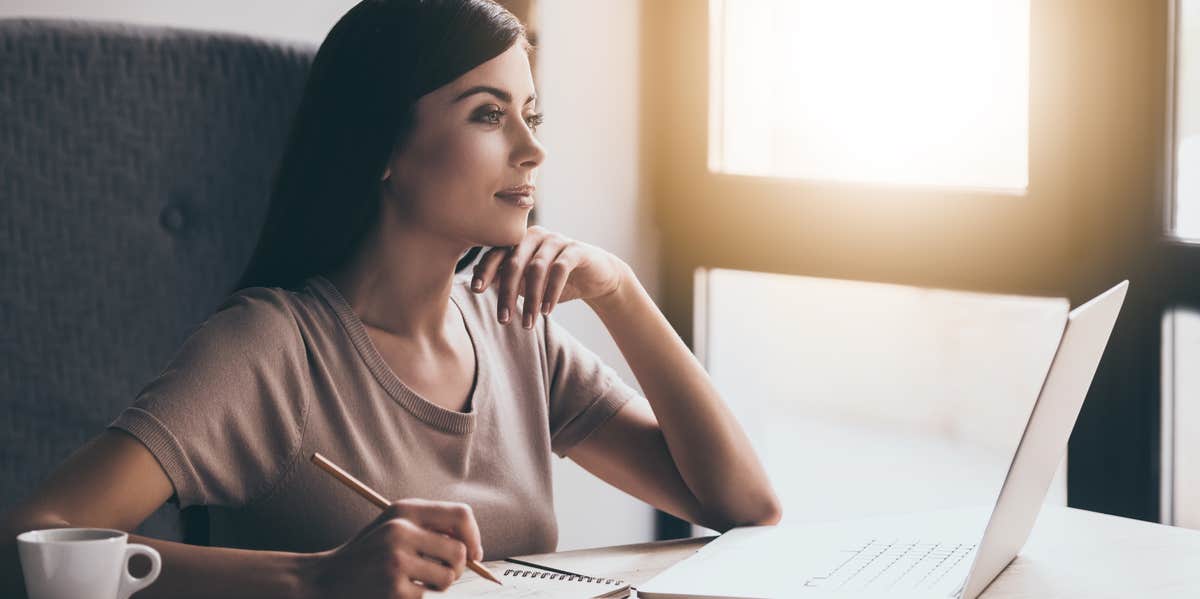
{"x":529,"y":583}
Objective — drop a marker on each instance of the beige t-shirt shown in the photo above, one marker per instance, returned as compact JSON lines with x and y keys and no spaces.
{"x":275,"y":375}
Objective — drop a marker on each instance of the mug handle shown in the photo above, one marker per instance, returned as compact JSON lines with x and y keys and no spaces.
{"x":131,"y":585}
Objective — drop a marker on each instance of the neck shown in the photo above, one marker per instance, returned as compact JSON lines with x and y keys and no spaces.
{"x":400,"y":279}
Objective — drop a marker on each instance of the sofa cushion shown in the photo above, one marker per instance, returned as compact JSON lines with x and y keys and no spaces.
{"x":135,"y":169}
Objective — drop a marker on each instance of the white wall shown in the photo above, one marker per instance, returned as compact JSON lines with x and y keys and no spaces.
{"x":305,"y":20}
{"x":588,"y":78}
{"x":588,"y":189}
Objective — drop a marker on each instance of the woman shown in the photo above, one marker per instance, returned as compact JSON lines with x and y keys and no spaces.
{"x":351,"y":335}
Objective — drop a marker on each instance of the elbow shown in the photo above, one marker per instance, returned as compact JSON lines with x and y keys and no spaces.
{"x":23,"y":518}
{"x":761,"y":509}
{"x":768,"y":512}
{"x":18,"y":521}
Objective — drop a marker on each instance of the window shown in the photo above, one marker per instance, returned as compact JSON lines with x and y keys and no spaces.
{"x":1181,"y":419}
{"x":924,"y":92}
{"x":1090,"y":175}
{"x":1179,"y":484}
{"x":866,"y":399}
{"x":1186,"y":157}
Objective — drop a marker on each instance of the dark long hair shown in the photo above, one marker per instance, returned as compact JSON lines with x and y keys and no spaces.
{"x":358,"y":104}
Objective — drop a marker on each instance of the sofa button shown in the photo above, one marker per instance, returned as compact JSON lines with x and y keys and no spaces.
{"x":172,"y":218}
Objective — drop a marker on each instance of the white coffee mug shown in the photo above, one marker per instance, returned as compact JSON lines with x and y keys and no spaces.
{"x":82,"y":563}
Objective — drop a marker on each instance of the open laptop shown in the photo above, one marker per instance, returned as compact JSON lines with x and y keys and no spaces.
{"x":936,"y":554}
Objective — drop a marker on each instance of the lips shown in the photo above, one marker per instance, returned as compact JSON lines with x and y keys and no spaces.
{"x":520,"y":196}
{"x":525,"y":188}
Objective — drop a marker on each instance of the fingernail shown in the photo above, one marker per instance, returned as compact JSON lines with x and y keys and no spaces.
{"x":477,"y":284}
{"x":529,"y":321}
{"x":545,"y":308}
{"x":504,"y":315}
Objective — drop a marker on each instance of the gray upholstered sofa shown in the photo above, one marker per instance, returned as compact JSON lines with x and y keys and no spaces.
{"x":135,"y":166}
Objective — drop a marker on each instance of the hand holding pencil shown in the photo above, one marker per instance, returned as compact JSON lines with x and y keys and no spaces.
{"x":426,"y":545}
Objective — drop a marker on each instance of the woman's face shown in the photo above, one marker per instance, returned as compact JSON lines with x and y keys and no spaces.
{"x":472,"y":140}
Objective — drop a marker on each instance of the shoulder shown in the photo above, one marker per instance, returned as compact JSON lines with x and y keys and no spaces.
{"x":478,"y":308}
{"x":256,"y":317}
{"x":259,"y":305}
{"x":480,"y":311}
{"x":476,"y":304}
{"x":547,"y":343}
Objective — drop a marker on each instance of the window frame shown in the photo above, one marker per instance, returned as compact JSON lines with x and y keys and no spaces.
{"x":1179,"y":267}
{"x":1092,"y":215}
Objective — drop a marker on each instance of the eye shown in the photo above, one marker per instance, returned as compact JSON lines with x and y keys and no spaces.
{"x":490,"y":115}
{"x":534,"y":120}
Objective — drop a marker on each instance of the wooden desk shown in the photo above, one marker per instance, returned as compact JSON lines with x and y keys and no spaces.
{"x":1071,"y":553}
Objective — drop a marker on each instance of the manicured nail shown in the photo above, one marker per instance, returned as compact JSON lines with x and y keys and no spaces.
{"x":545,"y":308}
{"x":528,"y":321}
{"x":504,"y":315}
{"x":477,"y":284}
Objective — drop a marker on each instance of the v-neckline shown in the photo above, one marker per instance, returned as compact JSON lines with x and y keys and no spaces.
{"x":450,"y":421}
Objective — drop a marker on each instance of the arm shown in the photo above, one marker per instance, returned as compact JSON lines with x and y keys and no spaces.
{"x":684,"y":453}
{"x":689,"y":442}
{"x":114,"y":482}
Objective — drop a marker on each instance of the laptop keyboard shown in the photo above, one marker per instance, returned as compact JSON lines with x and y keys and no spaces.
{"x":890,"y":564}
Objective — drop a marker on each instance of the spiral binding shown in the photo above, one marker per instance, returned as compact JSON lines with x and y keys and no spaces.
{"x":518,"y":573}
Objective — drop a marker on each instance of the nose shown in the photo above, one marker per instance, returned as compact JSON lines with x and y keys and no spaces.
{"x":528,"y":151}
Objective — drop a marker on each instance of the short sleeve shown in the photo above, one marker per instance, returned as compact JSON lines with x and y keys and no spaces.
{"x":225,"y":418}
{"x":584,"y":392}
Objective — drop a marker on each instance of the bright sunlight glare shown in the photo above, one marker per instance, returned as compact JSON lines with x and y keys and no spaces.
{"x":920,"y":92}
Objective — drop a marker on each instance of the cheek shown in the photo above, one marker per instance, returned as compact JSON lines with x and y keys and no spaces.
{"x":462,"y":167}
{"x":453,"y":177}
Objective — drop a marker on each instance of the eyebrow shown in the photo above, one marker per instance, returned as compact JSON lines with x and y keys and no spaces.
{"x":495,"y":91}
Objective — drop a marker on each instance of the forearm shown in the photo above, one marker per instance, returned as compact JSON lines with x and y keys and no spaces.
{"x":711,"y":451}
{"x":187,"y":570}
{"x":193,"y":571}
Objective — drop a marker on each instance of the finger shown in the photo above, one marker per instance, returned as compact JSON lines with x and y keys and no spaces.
{"x":535,"y":278}
{"x":391,"y":512}
{"x":454,"y":519}
{"x":438,"y":547}
{"x":407,"y":589}
{"x":427,"y":572}
{"x":560,"y":272}
{"x":486,"y":267}
{"x":511,"y":270}
{"x":445,"y":550}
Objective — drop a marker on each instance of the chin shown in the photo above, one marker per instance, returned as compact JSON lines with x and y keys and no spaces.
{"x":509,"y":234}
